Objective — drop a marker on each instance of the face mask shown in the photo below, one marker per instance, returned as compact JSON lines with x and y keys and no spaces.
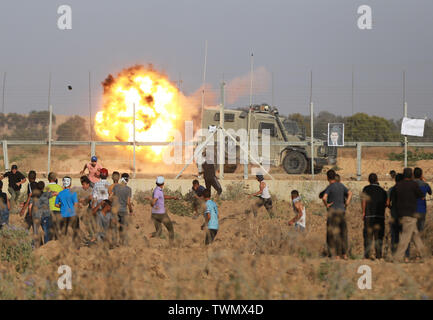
{"x":124,"y":180}
{"x":66,"y":182}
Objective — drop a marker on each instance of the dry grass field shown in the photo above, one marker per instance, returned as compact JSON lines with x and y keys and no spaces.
{"x":251,"y":258}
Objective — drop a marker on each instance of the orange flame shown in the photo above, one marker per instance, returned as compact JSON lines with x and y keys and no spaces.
{"x":157,"y":109}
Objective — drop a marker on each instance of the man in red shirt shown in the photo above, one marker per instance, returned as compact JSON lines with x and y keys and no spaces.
{"x":94,"y":169}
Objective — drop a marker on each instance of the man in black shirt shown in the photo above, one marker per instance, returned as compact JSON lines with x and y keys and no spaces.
{"x":373,"y":199}
{"x":210,"y":178}
{"x":394,"y":224}
{"x":407,"y":193}
{"x":16,"y":180}
{"x":197,"y":201}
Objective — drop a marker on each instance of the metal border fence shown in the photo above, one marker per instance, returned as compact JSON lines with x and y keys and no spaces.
{"x":93,"y":144}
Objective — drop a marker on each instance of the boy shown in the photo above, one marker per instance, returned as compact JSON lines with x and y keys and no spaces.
{"x":84,"y":197}
{"x":100,"y":188}
{"x":39,"y":211}
{"x":115,"y":177}
{"x":198,"y":197}
{"x":104,"y":218}
{"x":55,"y":189}
{"x":67,"y":202}
{"x":211,"y":218}
{"x":299,"y":209}
{"x":159,"y":215}
{"x":16,"y":180}
{"x":5,"y":206}
{"x":122,"y":195}
{"x":94,"y":169}
{"x":264,"y":197}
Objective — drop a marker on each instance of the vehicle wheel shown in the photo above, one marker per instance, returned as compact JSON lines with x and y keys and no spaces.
{"x":294,"y":162}
{"x":230,"y":168}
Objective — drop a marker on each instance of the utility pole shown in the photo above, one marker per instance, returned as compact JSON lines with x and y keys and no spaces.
{"x":3,"y":96}
{"x":204,"y":83}
{"x":50,"y":128}
{"x":312,"y":125}
{"x":221,"y":137}
{"x":49,"y":91}
{"x":90,"y":106}
{"x":249,"y":117}
{"x":405,"y":115}
{"x":133,"y":124}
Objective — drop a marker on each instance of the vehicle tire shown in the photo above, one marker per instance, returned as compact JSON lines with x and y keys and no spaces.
{"x":294,"y":162}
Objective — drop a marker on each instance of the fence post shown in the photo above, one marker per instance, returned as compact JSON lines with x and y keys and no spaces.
{"x":92,"y":148}
{"x":405,"y":138}
{"x":5,"y":155}
{"x":358,"y":161}
{"x":49,"y":139}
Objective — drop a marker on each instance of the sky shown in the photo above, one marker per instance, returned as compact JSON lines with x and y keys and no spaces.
{"x":287,"y":38}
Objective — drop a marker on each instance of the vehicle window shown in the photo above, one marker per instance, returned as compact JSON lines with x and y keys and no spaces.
{"x":228,"y":117}
{"x":266,"y":125}
{"x":291,"y":127}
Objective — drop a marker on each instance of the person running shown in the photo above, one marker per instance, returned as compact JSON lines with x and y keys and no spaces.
{"x":197,"y":201}
{"x":299,"y":209}
{"x":336,"y":226}
{"x":94,"y":169}
{"x":211,"y":218}
{"x":55,"y":189}
{"x":5,"y":207}
{"x":407,"y":193}
{"x":122,"y":200}
{"x":373,"y":203}
{"x":115,"y":176}
{"x":100,"y":188}
{"x":32,"y":185}
{"x":159,"y":214}
{"x":394,"y":223}
{"x":264,"y":197}
{"x":105,"y":220}
{"x":67,"y":201}
{"x":16,"y":180}
{"x":39,"y":211}
{"x":421,"y":204}
{"x":210,"y":179}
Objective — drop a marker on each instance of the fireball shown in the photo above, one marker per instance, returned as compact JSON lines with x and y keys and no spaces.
{"x":157,"y":103}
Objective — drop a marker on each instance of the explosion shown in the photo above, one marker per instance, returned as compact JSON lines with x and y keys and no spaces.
{"x":158,"y":109}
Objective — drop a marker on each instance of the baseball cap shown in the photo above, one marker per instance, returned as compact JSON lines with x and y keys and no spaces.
{"x":94,"y":159}
{"x":103,"y":173}
{"x":159,"y":180}
{"x":14,"y":166}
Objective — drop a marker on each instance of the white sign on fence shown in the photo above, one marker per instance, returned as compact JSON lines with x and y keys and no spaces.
{"x":412,"y":127}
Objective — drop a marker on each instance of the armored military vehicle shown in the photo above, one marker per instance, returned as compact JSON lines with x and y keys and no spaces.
{"x":285,"y":133}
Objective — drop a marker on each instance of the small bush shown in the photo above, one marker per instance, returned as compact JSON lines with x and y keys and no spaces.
{"x":181,"y":207}
{"x":16,"y":247}
{"x":234,"y":191}
{"x":412,"y":156}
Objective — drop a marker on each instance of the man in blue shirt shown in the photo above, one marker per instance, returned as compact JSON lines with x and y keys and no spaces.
{"x":67,"y":201}
{"x":211,"y":218}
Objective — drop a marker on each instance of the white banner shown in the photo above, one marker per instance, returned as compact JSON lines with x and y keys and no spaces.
{"x":412,"y":127}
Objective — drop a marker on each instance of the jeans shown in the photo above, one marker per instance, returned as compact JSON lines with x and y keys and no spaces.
{"x":4,"y":216}
{"x":409,"y":231}
{"x":46,"y":226}
{"x":298,"y":227}
{"x":210,"y":236}
{"x":15,"y":194}
{"x":420,"y":224}
{"x":336,"y":232}
{"x":374,"y":228}
{"x":267,"y":203}
{"x":213,"y":182}
{"x":164,"y":219}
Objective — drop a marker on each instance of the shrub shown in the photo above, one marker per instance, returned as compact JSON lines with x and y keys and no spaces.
{"x":16,"y":247}
{"x":181,"y":207}
{"x":234,"y":191}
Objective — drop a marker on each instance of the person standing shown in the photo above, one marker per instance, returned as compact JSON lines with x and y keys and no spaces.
{"x":84,"y":213}
{"x":159,"y":214}
{"x":421,"y":204}
{"x":264,"y":197}
{"x":55,"y":189}
{"x":122,"y":196}
{"x":94,"y":169}
{"x":299,"y":209}
{"x":373,"y":203}
{"x":105,"y":221}
{"x":211,"y":218}
{"x":115,"y":176}
{"x":407,"y":193}
{"x":16,"y":180}
{"x":394,"y":224}
{"x":336,"y":226}
{"x":210,"y":179}
{"x":5,"y":206}
{"x":39,"y":211}
{"x":67,"y":201}
{"x":100,"y":188}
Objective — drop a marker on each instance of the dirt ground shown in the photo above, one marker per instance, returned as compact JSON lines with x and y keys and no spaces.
{"x":251,"y":258}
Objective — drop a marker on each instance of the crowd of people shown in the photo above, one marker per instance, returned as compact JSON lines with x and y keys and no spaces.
{"x":104,"y":208}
